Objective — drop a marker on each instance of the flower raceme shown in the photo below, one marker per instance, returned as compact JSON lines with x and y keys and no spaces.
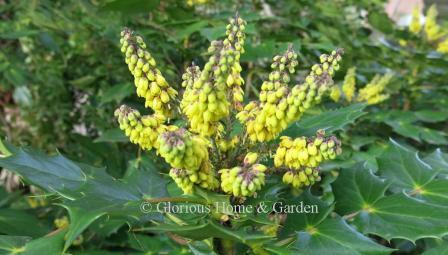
{"x":206,"y":100}
{"x":430,"y":31}
{"x":301,"y":157}
{"x":149,"y":81}
{"x":244,"y":180}
{"x":279,"y":105}
{"x":142,"y":130}
{"x":372,"y":93}
{"x":206,"y":143}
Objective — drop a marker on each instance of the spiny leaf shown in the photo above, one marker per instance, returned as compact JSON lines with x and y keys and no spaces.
{"x":356,"y":188}
{"x":211,"y":229}
{"x":12,"y":244}
{"x":330,"y":121}
{"x":48,"y":172}
{"x":404,"y":167}
{"x":335,"y":236}
{"x":394,"y":216}
{"x":19,"y":222}
{"x":438,"y":160}
{"x":86,"y":186}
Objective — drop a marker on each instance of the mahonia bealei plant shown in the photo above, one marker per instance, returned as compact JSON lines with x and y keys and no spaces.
{"x":372,"y":93}
{"x":205,"y":153}
{"x":431,"y":31}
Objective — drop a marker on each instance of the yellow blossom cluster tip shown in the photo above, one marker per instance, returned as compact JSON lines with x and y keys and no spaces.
{"x":149,"y":81}
{"x":302,"y":156}
{"x":196,"y":2}
{"x":279,"y":105}
{"x":442,"y":47}
{"x":415,"y":26}
{"x":208,"y":100}
{"x":349,"y":85}
{"x":141,"y":130}
{"x":432,"y":32}
{"x":246,"y":180}
{"x":372,"y":93}
{"x":188,"y":155}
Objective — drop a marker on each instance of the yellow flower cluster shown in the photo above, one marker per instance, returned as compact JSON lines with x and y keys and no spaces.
{"x":141,"y":130}
{"x":62,"y":222}
{"x":432,"y":31}
{"x":372,"y":93}
{"x":188,"y":155}
{"x":415,"y":26}
{"x":210,"y":95}
{"x":443,"y":46}
{"x":207,"y":101}
{"x":226,"y":145}
{"x":196,"y":2}
{"x":302,"y":156}
{"x":246,"y":180}
{"x":149,"y":81}
{"x":349,"y":85}
{"x":279,"y":105}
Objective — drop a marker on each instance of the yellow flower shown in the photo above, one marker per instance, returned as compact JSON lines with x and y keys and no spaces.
{"x":246,"y":180}
{"x":302,"y":157}
{"x":335,"y":93}
{"x":279,"y":105}
{"x":148,"y":80}
{"x":432,"y":30}
{"x":415,"y":25}
{"x":62,"y":222}
{"x":372,"y":93}
{"x":349,"y":85}
{"x":142,"y":130}
{"x":442,"y":47}
{"x":188,"y":155}
{"x":207,"y":102}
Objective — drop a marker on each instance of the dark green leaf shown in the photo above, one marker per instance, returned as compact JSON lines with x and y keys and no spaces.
{"x":112,"y":135}
{"x":330,"y":121}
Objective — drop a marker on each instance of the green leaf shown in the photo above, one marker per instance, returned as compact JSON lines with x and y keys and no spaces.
{"x":356,"y":188}
{"x":12,"y":244}
{"x":19,"y":222}
{"x":439,"y":250}
{"x":132,"y":6}
{"x":438,"y":161}
{"x":330,"y":121}
{"x":335,"y":236}
{"x":404,"y":167}
{"x":211,"y":229}
{"x":113,"y":136}
{"x":296,"y":222}
{"x":80,"y":219}
{"x":117,"y":93}
{"x":188,"y":30}
{"x":318,"y":234}
{"x":381,"y":21}
{"x":49,"y":245}
{"x":435,"y":191}
{"x":408,"y":124}
{"x":201,"y":247}
{"x":48,"y":172}
{"x":394,"y":216}
{"x":86,"y":186}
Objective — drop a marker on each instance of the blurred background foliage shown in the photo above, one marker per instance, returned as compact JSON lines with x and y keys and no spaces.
{"x":62,"y":73}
